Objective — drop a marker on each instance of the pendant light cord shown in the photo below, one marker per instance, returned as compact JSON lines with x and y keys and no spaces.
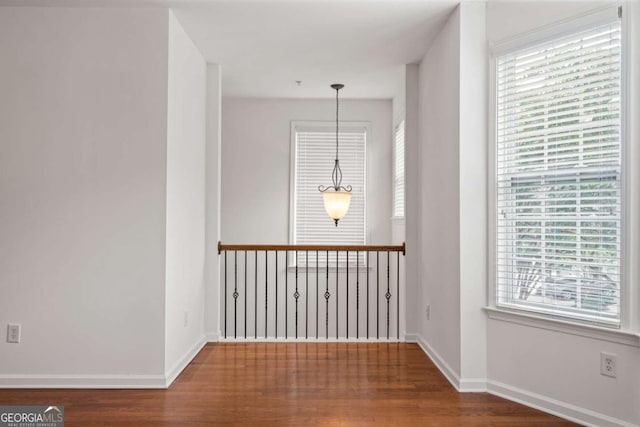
{"x":337,"y":107}
{"x":336,"y":176}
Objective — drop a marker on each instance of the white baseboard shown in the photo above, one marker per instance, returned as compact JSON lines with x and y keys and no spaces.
{"x":320,"y":340}
{"x":212,"y":336}
{"x":82,"y":381}
{"x":463,"y":385}
{"x":103,"y":381}
{"x":446,"y":370}
{"x":178,"y":367}
{"x":546,"y":404}
{"x":473,"y":385}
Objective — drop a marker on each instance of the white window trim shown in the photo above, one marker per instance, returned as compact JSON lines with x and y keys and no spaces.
{"x":629,"y":330}
{"x":292,"y":179}
{"x":631,"y":131}
{"x":619,"y":336}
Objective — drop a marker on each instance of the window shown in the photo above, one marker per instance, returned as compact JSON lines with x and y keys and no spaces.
{"x":558,"y":176}
{"x":398,"y":172}
{"x":314,"y":155}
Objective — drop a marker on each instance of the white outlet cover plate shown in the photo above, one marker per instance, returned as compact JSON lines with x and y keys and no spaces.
{"x":607,"y":369}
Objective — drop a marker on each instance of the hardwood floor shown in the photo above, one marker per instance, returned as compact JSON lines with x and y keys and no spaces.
{"x":294,"y":385}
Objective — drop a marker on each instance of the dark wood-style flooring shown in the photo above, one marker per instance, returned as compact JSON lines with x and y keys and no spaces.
{"x":294,"y":385}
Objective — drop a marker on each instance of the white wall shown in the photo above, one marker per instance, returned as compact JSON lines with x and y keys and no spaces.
{"x":185,"y":245}
{"x":405,"y":107}
{"x":213,"y":190}
{"x":413,"y":286}
{"x":507,"y":19}
{"x":473,"y":194}
{"x":82,"y":176}
{"x":452,"y":184}
{"x":103,"y":168}
{"x":554,"y":369}
{"x":439,"y":194}
{"x":256,"y":163}
{"x":399,"y":101}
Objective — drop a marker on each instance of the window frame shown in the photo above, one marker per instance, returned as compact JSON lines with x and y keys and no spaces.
{"x":330,"y":125}
{"x":628,"y":304}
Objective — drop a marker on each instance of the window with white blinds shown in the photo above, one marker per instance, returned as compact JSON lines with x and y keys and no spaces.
{"x":315,"y":149}
{"x":398,"y":172}
{"x":558,"y":182}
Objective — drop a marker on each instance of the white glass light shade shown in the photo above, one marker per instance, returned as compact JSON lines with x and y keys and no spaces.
{"x":336,"y":203}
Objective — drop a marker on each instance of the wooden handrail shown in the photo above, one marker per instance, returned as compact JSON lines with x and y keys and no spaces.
{"x":322,"y":248}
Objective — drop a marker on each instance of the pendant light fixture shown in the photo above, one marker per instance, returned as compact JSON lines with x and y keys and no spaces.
{"x":336,"y":197}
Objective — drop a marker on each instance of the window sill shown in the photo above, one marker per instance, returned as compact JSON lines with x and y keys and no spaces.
{"x":619,"y":336}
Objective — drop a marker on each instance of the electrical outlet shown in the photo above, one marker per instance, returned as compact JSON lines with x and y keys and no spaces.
{"x":608,"y":364}
{"x":428,"y":311}
{"x":13,"y":333}
{"x":186,"y":319}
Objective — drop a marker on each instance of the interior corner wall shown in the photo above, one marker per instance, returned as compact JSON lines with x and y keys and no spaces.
{"x":82,"y":176}
{"x":185,"y":232}
{"x":439,"y":195}
{"x":256,"y":155}
{"x":473,"y":160}
{"x":555,"y":370}
{"x":213,"y":190}
{"x":413,"y":287}
{"x":398,"y":102}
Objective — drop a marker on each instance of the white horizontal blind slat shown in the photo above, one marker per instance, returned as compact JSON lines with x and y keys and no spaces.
{"x":314,"y":162}
{"x":558,"y":177}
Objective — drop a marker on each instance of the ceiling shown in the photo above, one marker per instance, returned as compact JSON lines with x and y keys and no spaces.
{"x":265,"y":46}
